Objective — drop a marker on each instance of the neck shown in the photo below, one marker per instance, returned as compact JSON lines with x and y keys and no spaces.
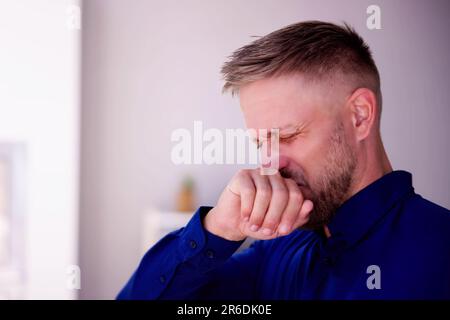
{"x":372,"y":164}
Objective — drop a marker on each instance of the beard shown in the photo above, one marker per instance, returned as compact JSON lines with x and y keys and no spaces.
{"x":330,"y":187}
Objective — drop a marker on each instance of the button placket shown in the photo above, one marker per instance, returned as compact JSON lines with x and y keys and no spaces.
{"x":210,"y":254}
{"x":193,"y":244}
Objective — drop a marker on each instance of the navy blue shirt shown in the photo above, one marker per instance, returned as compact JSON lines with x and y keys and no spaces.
{"x":387,"y":242}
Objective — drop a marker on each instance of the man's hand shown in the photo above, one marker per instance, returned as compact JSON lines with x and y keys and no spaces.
{"x":259,"y":206}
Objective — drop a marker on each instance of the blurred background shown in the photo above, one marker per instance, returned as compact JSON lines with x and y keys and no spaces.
{"x":91,"y":91}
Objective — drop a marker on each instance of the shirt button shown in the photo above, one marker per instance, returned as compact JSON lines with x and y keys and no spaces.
{"x":162,"y":279}
{"x":210,"y":254}
{"x":193,"y":244}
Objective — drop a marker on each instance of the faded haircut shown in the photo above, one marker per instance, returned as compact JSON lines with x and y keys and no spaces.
{"x":318,"y":50}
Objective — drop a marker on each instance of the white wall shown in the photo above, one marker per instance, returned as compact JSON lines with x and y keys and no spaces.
{"x":39,"y":96}
{"x":150,"y":67}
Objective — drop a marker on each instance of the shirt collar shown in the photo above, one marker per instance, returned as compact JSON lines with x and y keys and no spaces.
{"x":354,"y":219}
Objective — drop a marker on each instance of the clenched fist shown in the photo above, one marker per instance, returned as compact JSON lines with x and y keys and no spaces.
{"x":259,"y":206}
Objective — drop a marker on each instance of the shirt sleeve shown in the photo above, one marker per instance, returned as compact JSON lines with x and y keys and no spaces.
{"x":192,"y":263}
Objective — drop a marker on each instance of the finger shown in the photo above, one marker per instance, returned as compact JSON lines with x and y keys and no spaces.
{"x":303,"y":215}
{"x":301,"y":218}
{"x":259,"y":235}
{"x":247,"y":193}
{"x":293,"y":207}
{"x":278,"y":203}
{"x":262,"y":200}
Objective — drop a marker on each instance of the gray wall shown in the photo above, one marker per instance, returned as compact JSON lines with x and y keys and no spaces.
{"x":150,"y":67}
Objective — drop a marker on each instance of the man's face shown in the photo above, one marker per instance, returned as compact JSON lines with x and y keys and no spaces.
{"x":315,"y":144}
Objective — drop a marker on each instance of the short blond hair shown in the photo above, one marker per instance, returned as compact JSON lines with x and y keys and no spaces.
{"x":314,"y":49}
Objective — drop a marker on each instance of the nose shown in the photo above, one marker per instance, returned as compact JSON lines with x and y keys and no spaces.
{"x":283,"y":161}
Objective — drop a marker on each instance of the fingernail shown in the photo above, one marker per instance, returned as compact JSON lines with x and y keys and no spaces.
{"x":267,"y":232}
{"x":284,"y":229}
{"x":254,"y":228}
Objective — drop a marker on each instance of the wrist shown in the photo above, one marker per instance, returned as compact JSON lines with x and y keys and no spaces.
{"x":213,"y":226}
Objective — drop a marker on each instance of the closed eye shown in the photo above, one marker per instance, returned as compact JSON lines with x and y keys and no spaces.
{"x":290,"y":138}
{"x":286,"y":139}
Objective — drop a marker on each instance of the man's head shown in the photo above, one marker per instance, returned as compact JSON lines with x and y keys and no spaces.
{"x":318,"y":84}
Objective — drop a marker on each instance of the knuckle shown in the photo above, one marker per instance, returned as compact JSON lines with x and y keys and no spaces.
{"x":246,"y":210}
{"x":255,"y":221}
{"x":280,"y":194}
{"x":265,"y":191}
{"x":256,"y":218}
{"x":247,"y":190}
{"x":242,"y":173}
{"x":295,"y":195}
{"x":279,"y":189}
{"x":270,"y":223}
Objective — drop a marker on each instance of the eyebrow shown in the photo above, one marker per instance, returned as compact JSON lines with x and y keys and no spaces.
{"x":294,"y":129}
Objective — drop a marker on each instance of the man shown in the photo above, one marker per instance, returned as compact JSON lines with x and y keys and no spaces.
{"x":336,"y":222}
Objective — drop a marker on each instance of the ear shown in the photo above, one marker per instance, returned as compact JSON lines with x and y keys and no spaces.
{"x":362,"y":105}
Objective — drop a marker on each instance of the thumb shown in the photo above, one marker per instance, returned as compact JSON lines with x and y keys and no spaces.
{"x":303,"y":215}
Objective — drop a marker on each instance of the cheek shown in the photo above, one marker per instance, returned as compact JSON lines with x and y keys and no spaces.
{"x":308,"y":155}
{"x":311,"y":153}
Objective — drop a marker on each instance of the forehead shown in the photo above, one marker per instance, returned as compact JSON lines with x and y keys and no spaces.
{"x":281,"y":101}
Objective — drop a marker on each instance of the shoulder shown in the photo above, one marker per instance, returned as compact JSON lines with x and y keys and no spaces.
{"x":428,"y":221}
{"x":428,"y":212}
